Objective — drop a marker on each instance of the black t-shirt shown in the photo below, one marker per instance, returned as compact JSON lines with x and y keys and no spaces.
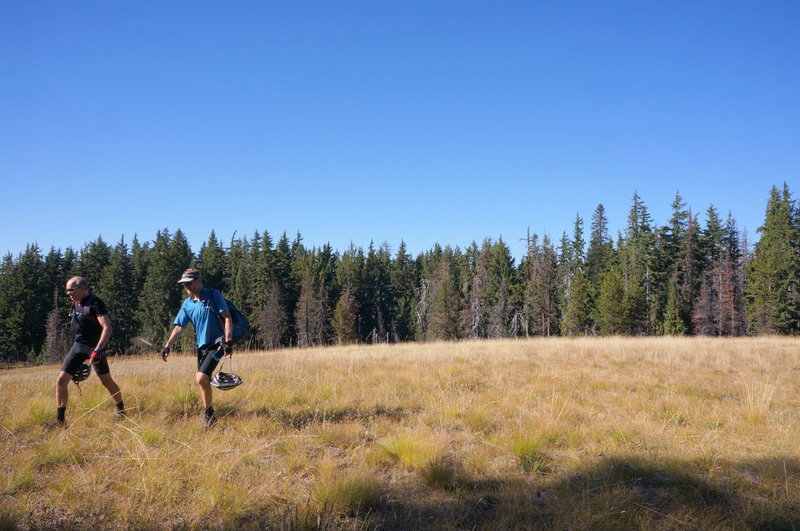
{"x":84,"y":320}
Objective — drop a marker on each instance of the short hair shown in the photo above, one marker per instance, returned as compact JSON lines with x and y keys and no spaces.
{"x":79,"y":282}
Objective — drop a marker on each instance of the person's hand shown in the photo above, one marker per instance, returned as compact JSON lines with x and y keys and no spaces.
{"x":227,"y":348}
{"x":164,"y":353}
{"x":95,"y":357}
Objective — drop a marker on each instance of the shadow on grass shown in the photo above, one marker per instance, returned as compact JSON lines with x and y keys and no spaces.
{"x":300,"y":418}
{"x":615,"y":494}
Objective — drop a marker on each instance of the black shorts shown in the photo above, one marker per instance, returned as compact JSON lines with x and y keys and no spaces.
{"x":80,"y":353}
{"x":208,"y":357}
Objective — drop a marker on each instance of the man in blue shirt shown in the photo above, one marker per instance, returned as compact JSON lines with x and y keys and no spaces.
{"x":203,"y":308}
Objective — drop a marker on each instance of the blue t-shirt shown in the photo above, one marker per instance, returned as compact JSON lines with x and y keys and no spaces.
{"x":204,"y":315}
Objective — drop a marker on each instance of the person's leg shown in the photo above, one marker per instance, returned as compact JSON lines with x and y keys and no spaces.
{"x":204,"y":382}
{"x":104,"y":373}
{"x":72,"y":362}
{"x":207,"y":360}
{"x":113,"y":389}
{"x":62,"y":393}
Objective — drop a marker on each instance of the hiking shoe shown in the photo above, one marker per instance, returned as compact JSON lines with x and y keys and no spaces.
{"x":120,"y":415}
{"x":208,"y":422}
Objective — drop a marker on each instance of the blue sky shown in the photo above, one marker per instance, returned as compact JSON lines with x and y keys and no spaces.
{"x":425,"y":122}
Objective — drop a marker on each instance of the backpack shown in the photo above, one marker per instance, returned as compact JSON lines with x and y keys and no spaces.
{"x":241,"y":326}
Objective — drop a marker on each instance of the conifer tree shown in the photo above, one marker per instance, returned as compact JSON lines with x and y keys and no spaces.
{"x":541,"y":288}
{"x":772,"y":280}
{"x":57,"y":335}
{"x":576,"y":318}
{"x":26,"y":303}
{"x":94,"y":257}
{"x":115,"y":287}
{"x":140,"y":257}
{"x":403,"y":279}
{"x":612,"y":318}
{"x":211,"y":262}
{"x":445,"y":300}
{"x":161,"y":297}
{"x":600,"y":247}
{"x":731,"y":285}
{"x":349,"y":275}
{"x":345,"y":316}
{"x":637,"y":256}
{"x":673,"y":323}
{"x":375,"y":294}
{"x":286,"y":283}
{"x":273,"y":320}
{"x":477,"y":301}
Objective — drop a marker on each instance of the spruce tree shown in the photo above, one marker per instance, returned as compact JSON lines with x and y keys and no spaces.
{"x":403,"y":279}
{"x":25,"y":306}
{"x":161,"y":296}
{"x":477,"y":302}
{"x":540,"y":308}
{"x":771,"y":292}
{"x":612,"y":314}
{"x":445,"y":300}
{"x":115,"y":288}
{"x":211,"y":262}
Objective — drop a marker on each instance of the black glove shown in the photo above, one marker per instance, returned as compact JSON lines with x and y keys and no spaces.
{"x":227,"y":348}
{"x":164,"y":353}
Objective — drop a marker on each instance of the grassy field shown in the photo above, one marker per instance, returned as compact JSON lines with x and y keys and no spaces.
{"x":657,"y":433}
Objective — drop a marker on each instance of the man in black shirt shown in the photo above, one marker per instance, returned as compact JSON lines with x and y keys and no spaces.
{"x":92,"y":328}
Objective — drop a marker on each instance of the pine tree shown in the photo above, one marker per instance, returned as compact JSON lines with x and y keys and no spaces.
{"x":637,"y":256}
{"x":500,"y":286}
{"x":161,"y":296}
{"x":115,"y":288}
{"x":731,"y":286}
{"x":375,"y":295}
{"x":577,"y":315}
{"x":612,"y":318}
{"x":540,"y":308}
{"x":94,"y":257}
{"x":212,"y":263}
{"x":477,"y":302}
{"x":345,"y":316}
{"x":673,"y":323}
{"x":600,"y":247}
{"x":57,"y":339}
{"x":445,"y":301}
{"x":26,"y":304}
{"x":287,"y":286}
{"x":273,"y":320}
{"x":349,"y":276}
{"x":772,"y":277}
{"x":403,"y":279}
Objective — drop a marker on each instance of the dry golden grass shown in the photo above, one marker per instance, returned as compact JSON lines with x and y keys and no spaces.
{"x":562,"y":433}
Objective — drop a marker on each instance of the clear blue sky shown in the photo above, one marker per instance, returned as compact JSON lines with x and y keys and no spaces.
{"x":443,"y":121}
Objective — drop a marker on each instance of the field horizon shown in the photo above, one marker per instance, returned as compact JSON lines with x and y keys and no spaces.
{"x":656,"y":433}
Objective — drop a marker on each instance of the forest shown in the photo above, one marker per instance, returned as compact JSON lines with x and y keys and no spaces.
{"x":682,"y":278}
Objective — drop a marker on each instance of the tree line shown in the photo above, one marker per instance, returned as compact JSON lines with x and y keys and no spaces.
{"x":682,"y":278}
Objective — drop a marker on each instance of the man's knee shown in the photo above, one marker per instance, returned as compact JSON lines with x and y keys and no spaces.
{"x":202,"y":379}
{"x":63,"y":379}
